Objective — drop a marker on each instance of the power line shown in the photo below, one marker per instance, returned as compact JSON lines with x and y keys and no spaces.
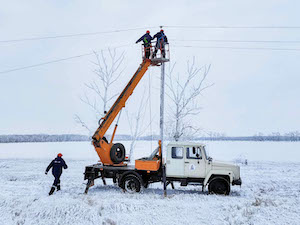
{"x":179,"y":46}
{"x":44,"y":63}
{"x":239,"y":41}
{"x":140,"y":28}
{"x":233,"y":27}
{"x":238,"y":48}
{"x":56,"y":60}
{"x":72,"y":35}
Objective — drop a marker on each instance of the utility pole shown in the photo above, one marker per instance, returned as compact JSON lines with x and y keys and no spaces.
{"x":162,"y":102}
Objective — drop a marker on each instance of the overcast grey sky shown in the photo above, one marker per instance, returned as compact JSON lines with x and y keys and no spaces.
{"x":254,"y":91}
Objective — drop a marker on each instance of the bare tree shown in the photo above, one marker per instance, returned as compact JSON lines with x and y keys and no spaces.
{"x":293,"y":135}
{"x":215,"y":135}
{"x":100,"y":92}
{"x":183,"y":92}
{"x":79,"y":121}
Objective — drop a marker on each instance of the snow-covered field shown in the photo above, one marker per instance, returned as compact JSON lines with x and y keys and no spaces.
{"x":270,"y":193}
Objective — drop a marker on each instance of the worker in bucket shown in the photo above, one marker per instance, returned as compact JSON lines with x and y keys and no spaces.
{"x":146,"y":38}
{"x":161,"y":40}
{"x":57,"y":165}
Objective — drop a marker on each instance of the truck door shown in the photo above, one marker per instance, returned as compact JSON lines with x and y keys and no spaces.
{"x":194,"y":164}
{"x":175,"y":162}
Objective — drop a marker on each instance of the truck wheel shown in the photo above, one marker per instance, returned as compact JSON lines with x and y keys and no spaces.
{"x":117,"y":153}
{"x":219,"y":185}
{"x":131,"y":184}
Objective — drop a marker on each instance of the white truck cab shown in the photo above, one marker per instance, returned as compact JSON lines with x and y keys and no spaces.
{"x":188,"y":163}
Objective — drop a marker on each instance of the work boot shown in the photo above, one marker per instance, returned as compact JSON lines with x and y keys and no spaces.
{"x":52,"y":190}
{"x":58,"y":187}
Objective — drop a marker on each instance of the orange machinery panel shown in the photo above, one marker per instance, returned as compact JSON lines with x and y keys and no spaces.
{"x":149,"y":165}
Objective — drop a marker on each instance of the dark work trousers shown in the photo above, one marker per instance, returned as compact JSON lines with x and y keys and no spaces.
{"x":160,"y":45}
{"x":56,"y":180}
{"x":147,"y":50}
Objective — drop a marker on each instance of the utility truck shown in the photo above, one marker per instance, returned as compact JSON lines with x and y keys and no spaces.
{"x":186,"y":163}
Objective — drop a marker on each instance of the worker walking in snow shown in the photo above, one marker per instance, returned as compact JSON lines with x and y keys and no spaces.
{"x":160,"y":43}
{"x":146,"y":38}
{"x":57,"y":164}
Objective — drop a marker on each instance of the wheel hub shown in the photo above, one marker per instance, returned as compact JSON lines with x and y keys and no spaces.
{"x":130,"y":186}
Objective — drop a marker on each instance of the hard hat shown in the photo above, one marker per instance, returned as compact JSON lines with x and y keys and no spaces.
{"x":148,"y":32}
{"x":161,"y":30}
{"x":59,"y":155}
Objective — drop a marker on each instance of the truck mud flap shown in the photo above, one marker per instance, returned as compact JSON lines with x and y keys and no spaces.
{"x":237,"y":182}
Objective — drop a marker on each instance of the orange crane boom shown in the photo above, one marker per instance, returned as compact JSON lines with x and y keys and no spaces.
{"x":102,"y":147}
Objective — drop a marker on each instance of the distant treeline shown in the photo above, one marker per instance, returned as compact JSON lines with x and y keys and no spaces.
{"x":293,"y":136}
{"x":42,"y":138}
{"x":252,"y":138}
{"x":16,"y":138}
{"x":274,"y":136}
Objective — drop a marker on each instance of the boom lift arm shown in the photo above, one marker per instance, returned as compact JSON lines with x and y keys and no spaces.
{"x":108,"y":151}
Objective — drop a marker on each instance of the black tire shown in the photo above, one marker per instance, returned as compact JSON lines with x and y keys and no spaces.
{"x":117,"y":153}
{"x":219,"y":185}
{"x":131,"y":184}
